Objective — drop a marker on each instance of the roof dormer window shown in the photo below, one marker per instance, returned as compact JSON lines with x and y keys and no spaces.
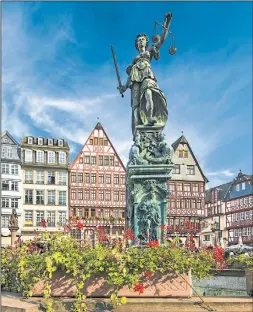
{"x":60,"y":142}
{"x":40,"y":141}
{"x":30,"y":140}
{"x":50,"y":141}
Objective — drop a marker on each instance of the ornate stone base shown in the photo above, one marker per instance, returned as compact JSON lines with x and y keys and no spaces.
{"x":148,"y":172}
{"x":159,"y":285}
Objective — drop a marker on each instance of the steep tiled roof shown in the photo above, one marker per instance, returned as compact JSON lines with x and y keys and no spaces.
{"x":223,"y":188}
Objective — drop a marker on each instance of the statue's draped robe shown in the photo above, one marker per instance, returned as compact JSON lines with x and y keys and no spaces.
{"x":141,"y":78}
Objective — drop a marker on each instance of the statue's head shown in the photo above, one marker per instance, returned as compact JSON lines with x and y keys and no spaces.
{"x":141,"y":41}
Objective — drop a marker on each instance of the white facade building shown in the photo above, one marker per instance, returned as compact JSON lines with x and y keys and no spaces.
{"x":45,"y":184}
{"x":11,"y":187}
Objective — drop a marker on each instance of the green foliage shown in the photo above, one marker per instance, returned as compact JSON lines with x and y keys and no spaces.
{"x":23,"y":266}
{"x":244,"y":260}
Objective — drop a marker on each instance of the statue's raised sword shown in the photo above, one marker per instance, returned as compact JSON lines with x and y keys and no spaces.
{"x":117,"y":70}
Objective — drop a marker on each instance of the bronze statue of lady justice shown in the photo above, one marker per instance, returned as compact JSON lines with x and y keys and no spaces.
{"x":149,"y":105}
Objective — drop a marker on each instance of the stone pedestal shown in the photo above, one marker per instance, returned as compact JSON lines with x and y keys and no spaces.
{"x":148,"y":171}
{"x":13,"y":231}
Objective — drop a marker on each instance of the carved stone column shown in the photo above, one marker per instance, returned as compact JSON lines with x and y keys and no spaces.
{"x":148,"y":172}
{"x":13,"y":231}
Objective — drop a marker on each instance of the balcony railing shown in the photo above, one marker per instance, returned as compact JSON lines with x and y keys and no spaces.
{"x":29,"y":201}
{"x":28,"y":181}
{"x":39,"y":202}
{"x":51,"y":202}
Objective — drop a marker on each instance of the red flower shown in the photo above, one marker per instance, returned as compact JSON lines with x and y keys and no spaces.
{"x":67,"y":227}
{"x":191,"y":237}
{"x":187,"y":223}
{"x":43,"y":223}
{"x":148,"y":274}
{"x":169,"y":227}
{"x":139,"y":288}
{"x":80,"y":225}
{"x":129,"y":234}
{"x":163,"y":227}
{"x":153,"y":243}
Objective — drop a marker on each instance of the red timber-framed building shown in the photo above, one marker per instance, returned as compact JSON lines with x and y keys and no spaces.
{"x":97,"y":192}
{"x":239,"y":210}
{"x":186,"y":204}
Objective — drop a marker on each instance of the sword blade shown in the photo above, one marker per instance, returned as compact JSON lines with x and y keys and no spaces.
{"x":116,"y":67}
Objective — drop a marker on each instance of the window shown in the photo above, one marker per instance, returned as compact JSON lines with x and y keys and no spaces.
{"x":91,"y":141}
{"x":179,"y":187}
{"x":80,"y":160}
{"x":188,"y":203}
{"x":249,"y":231}
{"x":87,"y":195}
{"x":62,"y":178}
{"x":185,"y":154}
{"x":107,"y":195}
{"x":14,"y":186}
{"x":95,"y":141}
{"x":5,"y":169}
{"x":86,"y":212}
{"x":190,"y":170}
{"x":116,"y":195}
{"x":100,"y":160}
{"x":62,"y":198}
{"x":101,"y":142}
{"x":207,"y":238}
{"x":105,"y":142}
{"x":5,"y":185}
{"x":122,"y":180}
{"x":39,"y":156}
{"x":28,"y":196}
{"x":14,"y":203}
{"x":51,"y":177}
{"x":93,"y":178}
{"x":62,"y":218}
{"x":108,"y":179}
{"x":80,"y":212}
{"x":5,"y":202}
{"x":100,"y":212}
{"x":60,"y":142}
{"x":123,"y":213}
{"x":87,"y":177}
{"x":116,"y":163}
{"x":247,"y":214}
{"x":182,"y":203}
{"x":116,"y":179}
{"x":180,"y":154}
{"x":5,"y":221}
{"x":40,"y":215}
{"x":40,"y":141}
{"x":40,"y":177}
{"x":176,"y":169}
{"x":30,"y":140}
{"x":93,"y":212}
{"x":51,"y":157}
{"x":243,"y":186}
{"x":93,"y":160}
{"x":73,"y":194}
{"x":73,"y":177}
{"x":28,"y":176}
{"x":107,"y":213}
{"x":195,"y":187}
{"x":193,"y":204}
{"x":80,"y":194}
{"x":3,"y":152}
{"x":111,"y":160}
{"x":198,"y":204}
{"x":40,"y":197}
{"x":237,"y":187}
{"x":28,"y":156}
{"x":50,"y":142}
{"x":86,"y":159}
{"x":50,"y":218}
{"x":51,"y":197}
{"x":9,"y":152}
{"x":101,"y":195}
{"x":106,"y":160}
{"x":101,"y":179}
{"x":80,"y":178}
{"x":242,"y":215}
{"x":62,"y":157}
{"x":93,"y":195}
{"x":116,"y":213}
{"x":172,"y":187}
{"x":14,"y":169}
{"x":122,"y":196}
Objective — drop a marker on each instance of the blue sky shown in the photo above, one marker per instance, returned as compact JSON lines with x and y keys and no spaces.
{"x":58,"y":75}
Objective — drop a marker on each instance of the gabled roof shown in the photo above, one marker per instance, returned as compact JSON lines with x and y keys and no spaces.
{"x":237,"y":179}
{"x":182,"y":140}
{"x":223,"y":188}
{"x":98,"y":127}
{"x":10,"y":137}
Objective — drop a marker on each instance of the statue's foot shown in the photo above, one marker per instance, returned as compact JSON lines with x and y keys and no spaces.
{"x":151,"y":122}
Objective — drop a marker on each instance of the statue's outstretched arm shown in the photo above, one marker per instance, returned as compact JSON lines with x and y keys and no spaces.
{"x":167,"y":19}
